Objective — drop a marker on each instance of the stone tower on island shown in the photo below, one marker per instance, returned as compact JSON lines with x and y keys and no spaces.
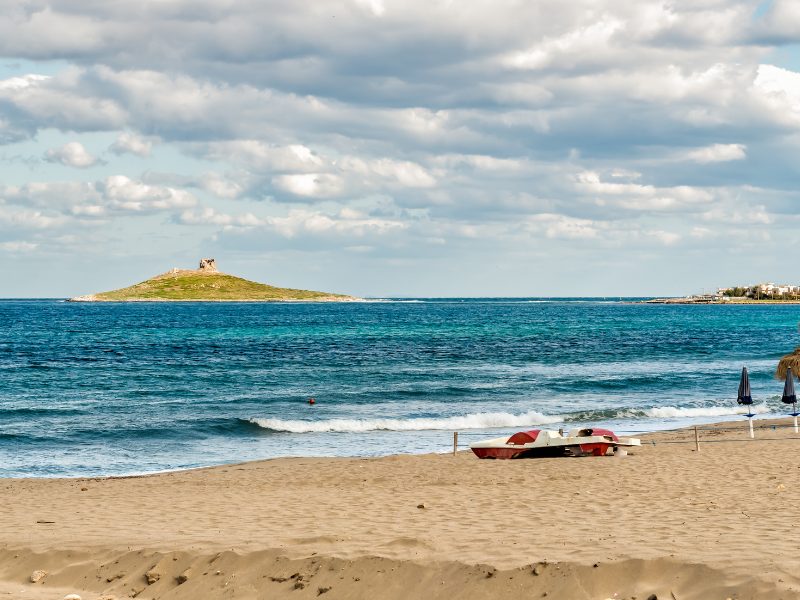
{"x":208,"y":264}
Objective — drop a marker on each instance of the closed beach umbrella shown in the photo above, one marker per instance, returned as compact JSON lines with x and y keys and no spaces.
{"x":789,"y":397}
{"x":744,"y":396}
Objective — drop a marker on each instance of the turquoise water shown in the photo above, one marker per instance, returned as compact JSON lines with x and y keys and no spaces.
{"x":91,"y":389}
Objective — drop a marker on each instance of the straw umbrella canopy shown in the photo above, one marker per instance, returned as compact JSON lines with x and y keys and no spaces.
{"x":790,"y":361}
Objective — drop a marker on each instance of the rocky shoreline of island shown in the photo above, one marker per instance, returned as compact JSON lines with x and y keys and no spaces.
{"x":94,"y":298}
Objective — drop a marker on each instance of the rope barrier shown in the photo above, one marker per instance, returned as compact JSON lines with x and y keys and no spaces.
{"x":647,"y":432}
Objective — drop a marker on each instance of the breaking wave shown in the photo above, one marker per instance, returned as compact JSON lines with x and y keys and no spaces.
{"x":673,"y":412}
{"x":473,"y":421}
{"x":492,"y":420}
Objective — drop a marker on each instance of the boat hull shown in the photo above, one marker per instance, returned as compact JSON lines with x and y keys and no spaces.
{"x":542,"y":452}
{"x":537,"y":443}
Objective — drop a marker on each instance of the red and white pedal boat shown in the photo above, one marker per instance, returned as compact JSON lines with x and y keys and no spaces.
{"x":539,"y":443}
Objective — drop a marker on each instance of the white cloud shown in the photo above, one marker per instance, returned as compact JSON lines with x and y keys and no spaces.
{"x":257,"y":155}
{"x":130,"y":143}
{"x":51,"y":204}
{"x":779,"y":89}
{"x":18,"y":246}
{"x":22,"y":82}
{"x":123,"y":193}
{"x":314,"y":185}
{"x":376,"y":7}
{"x":563,"y":227}
{"x":718,"y":153}
{"x":641,"y":197}
{"x":297,"y":223}
{"x":72,"y":154}
{"x":568,"y":49}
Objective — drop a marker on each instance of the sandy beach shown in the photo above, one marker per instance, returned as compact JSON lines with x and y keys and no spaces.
{"x":664,"y":520}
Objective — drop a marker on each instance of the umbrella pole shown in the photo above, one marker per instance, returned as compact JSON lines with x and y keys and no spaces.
{"x":794,"y":414}
{"x":750,"y":421}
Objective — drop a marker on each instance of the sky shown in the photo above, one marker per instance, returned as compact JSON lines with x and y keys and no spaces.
{"x":401,"y":148}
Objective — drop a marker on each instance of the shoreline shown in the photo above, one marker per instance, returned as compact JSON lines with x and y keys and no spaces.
{"x":664,"y":519}
{"x":736,"y":302}
{"x":95,"y":299}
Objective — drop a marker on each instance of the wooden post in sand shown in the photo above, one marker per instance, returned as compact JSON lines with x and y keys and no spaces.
{"x":696,"y":439}
{"x":455,"y":442}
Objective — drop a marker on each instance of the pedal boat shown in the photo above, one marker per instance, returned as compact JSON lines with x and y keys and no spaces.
{"x":538,"y":443}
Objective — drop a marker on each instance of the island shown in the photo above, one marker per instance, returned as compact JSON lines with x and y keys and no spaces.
{"x":207,"y":284}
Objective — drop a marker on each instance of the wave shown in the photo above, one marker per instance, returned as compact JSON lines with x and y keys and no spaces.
{"x":493,"y":420}
{"x":471,"y":421}
{"x":673,"y":412}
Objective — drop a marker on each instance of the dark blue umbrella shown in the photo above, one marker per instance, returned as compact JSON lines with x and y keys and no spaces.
{"x":744,"y":397}
{"x":789,"y":397}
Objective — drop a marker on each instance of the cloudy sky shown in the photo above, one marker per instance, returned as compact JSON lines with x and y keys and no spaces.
{"x":401,"y":147}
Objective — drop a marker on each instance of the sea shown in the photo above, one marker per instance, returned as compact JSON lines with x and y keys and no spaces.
{"x":94,"y":389}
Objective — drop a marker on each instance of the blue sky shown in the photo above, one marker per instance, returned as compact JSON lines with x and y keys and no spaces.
{"x":412,"y":148}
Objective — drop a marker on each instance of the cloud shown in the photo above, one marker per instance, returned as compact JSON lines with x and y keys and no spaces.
{"x":18,"y":246}
{"x":298,"y":228}
{"x":130,"y":143}
{"x":72,"y":154}
{"x":779,"y":90}
{"x":20,"y":83}
{"x":780,"y":23}
{"x":317,"y":185}
{"x":718,"y":153}
{"x":400,"y":128}
{"x":54,"y":204}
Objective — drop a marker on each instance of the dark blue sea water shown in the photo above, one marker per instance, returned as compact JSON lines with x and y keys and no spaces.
{"x":88,"y":389}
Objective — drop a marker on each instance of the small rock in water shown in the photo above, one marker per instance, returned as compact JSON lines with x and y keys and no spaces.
{"x":182,"y":578}
{"x":420,"y":506}
{"x":38,"y":575}
{"x":536,"y":571}
{"x":652,"y":597}
{"x":72,"y":597}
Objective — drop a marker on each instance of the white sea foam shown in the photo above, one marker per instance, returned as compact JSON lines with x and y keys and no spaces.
{"x":473,"y":421}
{"x":673,"y":412}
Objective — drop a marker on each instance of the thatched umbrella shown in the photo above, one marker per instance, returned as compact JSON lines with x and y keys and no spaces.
{"x":790,"y":361}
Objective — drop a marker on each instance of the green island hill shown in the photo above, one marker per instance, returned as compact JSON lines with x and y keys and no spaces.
{"x":206,"y":284}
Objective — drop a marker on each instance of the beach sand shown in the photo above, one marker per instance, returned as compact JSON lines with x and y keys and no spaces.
{"x":664,"y":520}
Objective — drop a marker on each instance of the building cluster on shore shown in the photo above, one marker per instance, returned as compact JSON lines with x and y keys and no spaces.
{"x":744,"y":293}
{"x":766,"y":291}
